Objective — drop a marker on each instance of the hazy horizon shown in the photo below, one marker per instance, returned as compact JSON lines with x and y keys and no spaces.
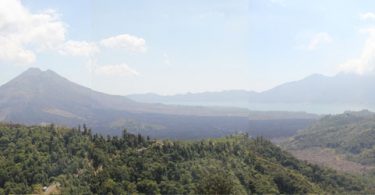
{"x":154,"y":92}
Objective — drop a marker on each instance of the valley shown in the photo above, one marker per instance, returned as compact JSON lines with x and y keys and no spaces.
{"x":187,"y":97}
{"x":334,"y":144}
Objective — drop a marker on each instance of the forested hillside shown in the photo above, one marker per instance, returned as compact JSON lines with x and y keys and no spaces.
{"x":351,"y":133}
{"x":83,"y":163}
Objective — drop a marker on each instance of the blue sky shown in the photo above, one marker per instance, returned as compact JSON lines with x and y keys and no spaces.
{"x":167,"y":46}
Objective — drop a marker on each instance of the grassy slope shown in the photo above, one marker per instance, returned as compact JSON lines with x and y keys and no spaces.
{"x":351,"y":134}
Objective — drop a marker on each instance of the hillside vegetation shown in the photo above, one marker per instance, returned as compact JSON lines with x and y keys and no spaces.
{"x":83,"y":163}
{"x":351,"y":133}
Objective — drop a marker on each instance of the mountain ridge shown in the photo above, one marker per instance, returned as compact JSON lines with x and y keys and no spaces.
{"x":42,"y":97}
{"x":332,"y":94}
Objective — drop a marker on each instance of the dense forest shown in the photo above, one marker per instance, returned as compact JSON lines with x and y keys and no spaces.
{"x":351,"y":134}
{"x":84,"y":163}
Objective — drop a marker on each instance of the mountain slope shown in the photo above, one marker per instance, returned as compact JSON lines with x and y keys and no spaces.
{"x":351,"y":134}
{"x":46,"y":88}
{"x":342,"y":88}
{"x":84,"y":163}
{"x":38,"y":97}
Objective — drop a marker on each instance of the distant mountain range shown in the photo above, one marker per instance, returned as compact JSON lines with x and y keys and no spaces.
{"x":239,"y":98}
{"x":316,"y":93}
{"x":42,"y":97}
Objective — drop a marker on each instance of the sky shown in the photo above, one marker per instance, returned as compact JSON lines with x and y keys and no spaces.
{"x":168,"y":47}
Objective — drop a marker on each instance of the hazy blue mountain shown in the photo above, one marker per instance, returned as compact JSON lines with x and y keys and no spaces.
{"x":51,"y":93}
{"x":37,"y":97}
{"x":236,"y":98}
{"x":316,"y":93}
{"x":342,"y":88}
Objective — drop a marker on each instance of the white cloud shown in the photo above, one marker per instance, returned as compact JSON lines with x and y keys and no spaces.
{"x":129,"y":42}
{"x":367,"y":16}
{"x":167,"y":60}
{"x":366,"y":61}
{"x":79,"y":48}
{"x":12,"y":51}
{"x":23,"y":33}
{"x":280,"y":2}
{"x":116,"y":70}
{"x":319,"y":39}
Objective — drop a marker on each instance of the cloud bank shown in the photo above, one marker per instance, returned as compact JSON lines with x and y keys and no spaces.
{"x":23,"y":35}
{"x":79,"y":48}
{"x":366,"y":61}
{"x":367,"y":16}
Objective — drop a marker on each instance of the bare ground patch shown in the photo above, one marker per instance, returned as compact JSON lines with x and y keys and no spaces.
{"x":329,"y":158}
